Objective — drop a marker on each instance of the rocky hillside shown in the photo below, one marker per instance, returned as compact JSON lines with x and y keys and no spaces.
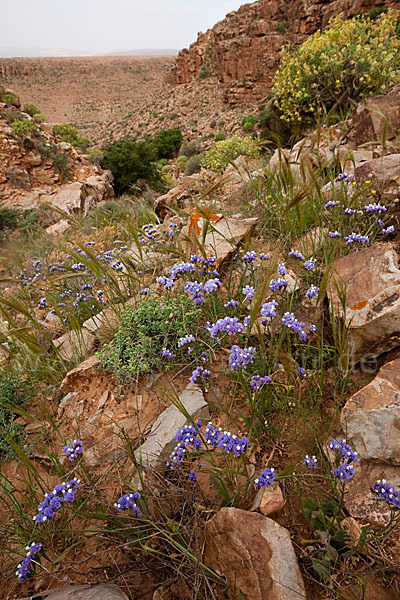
{"x":243,"y":49}
{"x":85,"y":91}
{"x":37,"y":168}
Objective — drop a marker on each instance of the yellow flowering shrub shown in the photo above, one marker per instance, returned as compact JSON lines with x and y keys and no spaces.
{"x":217,"y":159}
{"x":347,"y":62}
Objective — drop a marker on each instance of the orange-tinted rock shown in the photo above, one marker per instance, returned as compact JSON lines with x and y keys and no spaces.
{"x":371,"y":280}
{"x":371,"y":417}
{"x":254,"y":554}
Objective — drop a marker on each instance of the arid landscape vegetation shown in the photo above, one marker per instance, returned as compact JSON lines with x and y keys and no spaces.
{"x":200,"y":314}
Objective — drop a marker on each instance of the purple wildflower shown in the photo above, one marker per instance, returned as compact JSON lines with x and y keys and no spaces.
{"x":128,"y":501}
{"x":265,"y":479}
{"x":309,"y":264}
{"x":268,"y":310}
{"x":276,"y":284}
{"x":249,"y":292}
{"x":387,"y":492}
{"x":73,"y":451}
{"x":24,"y":569}
{"x":312,"y":291}
{"x":296,"y":254}
{"x":257,"y":382}
{"x":241,"y":357}
{"x":310,"y":462}
{"x":388,"y":230}
{"x":199,"y":372}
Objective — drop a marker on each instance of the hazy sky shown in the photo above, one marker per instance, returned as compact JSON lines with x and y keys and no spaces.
{"x":106,"y":25}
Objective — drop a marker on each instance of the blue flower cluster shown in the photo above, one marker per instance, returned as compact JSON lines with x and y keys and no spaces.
{"x":199,"y":372}
{"x":248,"y":292}
{"x":63,"y":492}
{"x":312,"y":291}
{"x":232,"y":304}
{"x":265,"y":479}
{"x":387,"y":492}
{"x":187,"y":339}
{"x":128,"y":501}
{"x":167,"y":354}
{"x":375,"y":208}
{"x":310,"y":264}
{"x":183,"y":267}
{"x":388,"y":230}
{"x":24,"y":569}
{"x":310,"y":462}
{"x":166,"y":282}
{"x":268,"y":310}
{"x":289,"y":320}
{"x":356,"y":238}
{"x":239,"y":358}
{"x":226,"y":441}
{"x":345,"y":453}
{"x":256,"y":381}
{"x":297,"y":254}
{"x":281,"y":270}
{"x":229,"y":325}
{"x":334,"y":234}
{"x":276,"y":284}
{"x":73,"y":451}
{"x":197,"y":289}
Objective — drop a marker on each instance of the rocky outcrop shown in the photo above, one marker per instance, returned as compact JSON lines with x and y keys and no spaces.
{"x":39,"y":169}
{"x":371,"y":417}
{"x":243,"y":49}
{"x":371,"y":280}
{"x":103,"y":591}
{"x":254,"y":554}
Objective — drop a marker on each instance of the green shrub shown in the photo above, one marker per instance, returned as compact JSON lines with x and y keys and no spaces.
{"x":348,"y":61}
{"x":60,"y":162}
{"x":167,"y":142}
{"x":145,"y":330}
{"x":249,"y":122}
{"x":23,"y":128}
{"x":70,"y":134}
{"x":217,"y":159}
{"x":8,"y":98}
{"x":204,"y":72}
{"x":14,"y":391}
{"x":39,"y":117}
{"x":96,"y":155}
{"x":191,"y":148}
{"x":219,"y":136}
{"x":8,"y":218}
{"x":181,"y":162}
{"x":129,"y":161}
{"x":193,"y":164}
{"x":31,"y":109}
{"x":275,"y":131}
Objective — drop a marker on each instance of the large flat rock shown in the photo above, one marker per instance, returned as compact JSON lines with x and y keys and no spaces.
{"x":154,"y":452}
{"x":371,"y":280}
{"x":371,"y":417}
{"x":254,"y":554}
{"x":103,"y":591}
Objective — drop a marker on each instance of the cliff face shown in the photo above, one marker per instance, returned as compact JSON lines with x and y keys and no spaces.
{"x":243,"y":49}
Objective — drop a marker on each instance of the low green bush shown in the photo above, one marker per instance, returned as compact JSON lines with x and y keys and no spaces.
{"x":339,"y":66}
{"x":23,"y":128}
{"x":14,"y":392}
{"x":70,"y":134}
{"x":249,"y":122}
{"x":130,"y":161}
{"x":146,"y":329}
{"x":8,"y":98}
{"x":219,"y":136}
{"x":181,"y":161}
{"x":167,"y":142}
{"x":193,"y":164}
{"x":191,"y":148}
{"x":8,"y":218}
{"x":217,"y":159}
{"x":31,"y":109}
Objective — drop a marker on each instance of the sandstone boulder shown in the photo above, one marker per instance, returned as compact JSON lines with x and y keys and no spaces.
{"x":254,"y":554}
{"x":384,"y":173}
{"x":371,"y":279}
{"x":85,"y":370}
{"x":361,"y":504}
{"x":269,"y":500}
{"x":154,"y":452}
{"x":376,"y":118}
{"x":102,"y":591}
{"x":371,"y":417}
{"x":72,"y":344}
{"x":221,"y":238}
